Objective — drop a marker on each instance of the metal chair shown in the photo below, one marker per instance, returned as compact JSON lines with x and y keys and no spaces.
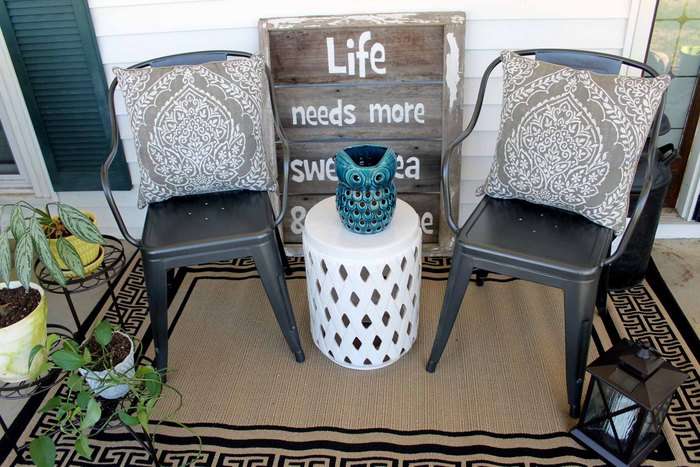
{"x":539,"y":243}
{"x":202,"y":228}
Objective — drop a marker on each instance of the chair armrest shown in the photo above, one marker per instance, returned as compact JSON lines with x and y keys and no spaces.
{"x":104,"y":172}
{"x":285,"y":174}
{"x":449,"y":152}
{"x":643,"y":195}
{"x":282,"y":140}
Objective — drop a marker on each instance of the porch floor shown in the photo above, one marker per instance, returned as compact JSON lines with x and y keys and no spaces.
{"x":678,"y":260}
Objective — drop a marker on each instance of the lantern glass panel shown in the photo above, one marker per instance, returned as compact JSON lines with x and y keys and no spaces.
{"x":613,"y":431}
{"x":652,"y":425}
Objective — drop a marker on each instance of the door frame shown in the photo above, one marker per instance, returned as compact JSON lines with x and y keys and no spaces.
{"x":33,"y":181}
{"x":690,"y":186}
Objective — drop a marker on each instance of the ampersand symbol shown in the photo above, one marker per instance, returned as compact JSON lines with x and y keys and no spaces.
{"x":298,"y":215}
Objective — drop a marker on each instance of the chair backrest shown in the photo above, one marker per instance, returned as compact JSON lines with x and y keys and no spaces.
{"x":584,"y":60}
{"x":192,"y":58}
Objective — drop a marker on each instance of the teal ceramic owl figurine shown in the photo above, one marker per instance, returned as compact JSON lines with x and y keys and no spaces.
{"x":366,"y":195}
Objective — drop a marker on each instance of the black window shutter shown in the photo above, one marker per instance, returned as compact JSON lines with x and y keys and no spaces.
{"x":54,"y":51}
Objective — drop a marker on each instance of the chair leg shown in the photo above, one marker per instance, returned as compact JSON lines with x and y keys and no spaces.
{"x":269,"y":264}
{"x":457,"y":282}
{"x":156,"y":278}
{"x":283,"y":254}
{"x":579,"y":303}
{"x":481,"y":276}
{"x":602,"y":295}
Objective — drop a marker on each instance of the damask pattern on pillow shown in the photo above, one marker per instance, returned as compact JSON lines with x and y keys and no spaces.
{"x":570,"y":138}
{"x":199,"y":128}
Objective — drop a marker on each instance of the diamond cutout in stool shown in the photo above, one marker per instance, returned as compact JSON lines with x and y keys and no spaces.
{"x":386,"y":317}
{"x":386,"y":271}
{"x":395,"y":291}
{"x":364,"y":274}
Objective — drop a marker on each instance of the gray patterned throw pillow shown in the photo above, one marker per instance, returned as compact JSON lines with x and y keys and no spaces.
{"x":571,"y":139}
{"x":200,"y":128}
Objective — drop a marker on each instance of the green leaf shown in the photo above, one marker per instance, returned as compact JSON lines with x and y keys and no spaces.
{"x":144,"y":369}
{"x":43,"y":216}
{"x":103,"y":333}
{"x":46,"y":366}
{"x":24,"y":255}
{"x":70,"y":256}
{"x":5,"y":256}
{"x":35,"y":350}
{"x":51,"y":404}
{"x":41,"y":245}
{"x":71,"y":344}
{"x":43,"y":452}
{"x":92,"y":414}
{"x":128,"y":419}
{"x":67,"y":359}
{"x":74,"y":381}
{"x":142,"y":415}
{"x":79,"y":224}
{"x":17,"y":222}
{"x":82,"y":447}
{"x":51,"y":339}
{"x":153,"y":383}
{"x":83,"y":399}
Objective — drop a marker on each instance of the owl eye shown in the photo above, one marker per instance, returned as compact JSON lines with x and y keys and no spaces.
{"x":378,"y":177}
{"x":356,"y":178}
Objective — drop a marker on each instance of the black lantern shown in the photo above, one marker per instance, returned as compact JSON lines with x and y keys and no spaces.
{"x":627,"y":401}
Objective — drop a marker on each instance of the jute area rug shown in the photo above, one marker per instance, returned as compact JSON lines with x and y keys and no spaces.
{"x":498,"y":396}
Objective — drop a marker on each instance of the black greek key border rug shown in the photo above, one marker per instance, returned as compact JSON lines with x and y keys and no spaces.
{"x":497,"y":398}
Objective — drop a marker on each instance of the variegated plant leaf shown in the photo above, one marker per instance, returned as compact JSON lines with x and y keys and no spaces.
{"x":41,"y":245}
{"x":79,"y":224}
{"x":5,"y":257}
{"x":70,"y":256}
{"x":17,"y":221}
{"x":24,"y":256}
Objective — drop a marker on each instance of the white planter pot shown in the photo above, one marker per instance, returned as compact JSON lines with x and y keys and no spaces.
{"x":18,"y":340}
{"x":99,"y":380}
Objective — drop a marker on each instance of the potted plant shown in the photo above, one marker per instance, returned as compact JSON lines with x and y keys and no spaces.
{"x":22,"y":304}
{"x":99,"y":369}
{"x":90,"y":252}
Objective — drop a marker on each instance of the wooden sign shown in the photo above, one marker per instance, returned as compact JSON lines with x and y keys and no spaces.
{"x":388,"y":79}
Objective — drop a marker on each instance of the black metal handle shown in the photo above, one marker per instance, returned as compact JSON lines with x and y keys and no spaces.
{"x":668,"y":154}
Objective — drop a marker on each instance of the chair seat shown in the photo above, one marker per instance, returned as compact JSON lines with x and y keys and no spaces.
{"x":206,"y":222}
{"x":540,"y":238}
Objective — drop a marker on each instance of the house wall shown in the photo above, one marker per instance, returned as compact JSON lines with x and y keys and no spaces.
{"x":129,"y":31}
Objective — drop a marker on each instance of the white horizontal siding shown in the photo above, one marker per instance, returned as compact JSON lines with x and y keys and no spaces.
{"x":129,"y":31}
{"x":475,"y":9}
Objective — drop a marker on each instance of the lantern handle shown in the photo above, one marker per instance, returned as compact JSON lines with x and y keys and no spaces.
{"x":644,"y":351}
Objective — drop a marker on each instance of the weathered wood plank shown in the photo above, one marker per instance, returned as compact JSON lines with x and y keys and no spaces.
{"x":313,"y":170}
{"x":357,"y":55}
{"x":361,"y":112}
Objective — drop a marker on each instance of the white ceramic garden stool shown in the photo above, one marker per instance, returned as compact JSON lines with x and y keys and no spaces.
{"x":364,"y":290}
